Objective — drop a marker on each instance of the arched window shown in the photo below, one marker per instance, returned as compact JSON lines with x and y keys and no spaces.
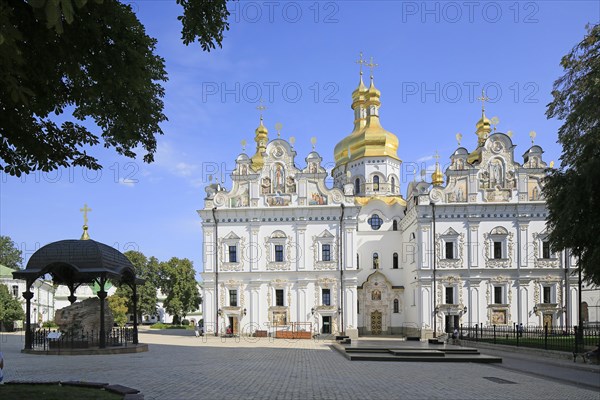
{"x":357,"y":186}
{"x":395,"y":261}
{"x":375,"y":261}
{"x":393,"y":185}
{"x":376,"y":183}
{"x":396,"y":306}
{"x":395,"y":225}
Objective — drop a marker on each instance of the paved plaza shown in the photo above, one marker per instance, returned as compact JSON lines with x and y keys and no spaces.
{"x":181,"y":366}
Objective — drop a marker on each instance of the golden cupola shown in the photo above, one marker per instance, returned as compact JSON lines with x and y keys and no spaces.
{"x":369,"y":138}
{"x":483,"y":130}
{"x":359,"y":97}
{"x":261,"y":137}
{"x":437,"y":178}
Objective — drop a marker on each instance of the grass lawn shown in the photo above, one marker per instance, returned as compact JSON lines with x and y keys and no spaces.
{"x":54,"y":392}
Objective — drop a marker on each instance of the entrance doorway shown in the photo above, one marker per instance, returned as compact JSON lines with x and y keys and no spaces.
{"x":451,"y":323}
{"x":376,"y":323}
{"x":233,"y":323}
{"x":326,"y":328}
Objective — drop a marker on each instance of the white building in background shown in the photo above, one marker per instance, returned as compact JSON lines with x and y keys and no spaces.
{"x":284,"y":251}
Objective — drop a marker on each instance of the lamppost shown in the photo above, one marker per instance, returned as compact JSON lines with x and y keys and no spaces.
{"x":434,"y":266}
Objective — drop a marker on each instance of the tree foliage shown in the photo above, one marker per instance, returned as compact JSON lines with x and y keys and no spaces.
{"x":573,"y":191}
{"x":147,"y":269}
{"x":179,"y":284}
{"x":10,"y":255}
{"x":118,"y":306}
{"x":85,"y":60}
{"x":10,"y":308}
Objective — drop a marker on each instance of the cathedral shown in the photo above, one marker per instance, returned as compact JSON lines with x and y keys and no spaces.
{"x":283,"y":252}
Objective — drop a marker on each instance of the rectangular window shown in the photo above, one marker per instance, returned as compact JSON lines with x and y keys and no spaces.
{"x":15,"y":291}
{"x":547,"y":294}
{"x":326,"y":252}
{"x":232,"y":254}
{"x":326,"y":297}
{"x":449,"y":295}
{"x":279,"y":297}
{"x":278,"y":253}
{"x":497,"y":250}
{"x":233,"y":298}
{"x":449,"y":250}
{"x":498,"y":298}
{"x":546,"y":249}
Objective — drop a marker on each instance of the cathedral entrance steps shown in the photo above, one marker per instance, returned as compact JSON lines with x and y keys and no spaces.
{"x":413,"y":352}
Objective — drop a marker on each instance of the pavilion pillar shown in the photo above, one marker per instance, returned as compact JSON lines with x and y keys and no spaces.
{"x":72,"y":298}
{"x":135,"y":313}
{"x":102,"y":296}
{"x":28,"y":295}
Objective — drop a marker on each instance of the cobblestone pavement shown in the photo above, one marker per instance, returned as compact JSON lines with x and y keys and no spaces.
{"x":184,"y":367}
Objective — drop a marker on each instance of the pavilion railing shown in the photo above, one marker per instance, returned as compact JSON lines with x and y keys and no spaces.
{"x":45,"y":339}
{"x":559,"y":338}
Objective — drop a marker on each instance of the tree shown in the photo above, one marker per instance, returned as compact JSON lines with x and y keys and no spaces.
{"x":572,"y":192}
{"x":179,"y":284}
{"x":10,"y":255}
{"x":10,"y":308}
{"x":85,"y":60}
{"x":146,"y":268}
{"x":118,"y":306}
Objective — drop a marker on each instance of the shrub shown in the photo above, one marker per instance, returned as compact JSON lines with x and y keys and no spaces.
{"x":185,"y":322}
{"x":50,"y":324}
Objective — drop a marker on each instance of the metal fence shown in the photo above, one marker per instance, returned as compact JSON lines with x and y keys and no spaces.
{"x":570,"y":339}
{"x":47,"y":339}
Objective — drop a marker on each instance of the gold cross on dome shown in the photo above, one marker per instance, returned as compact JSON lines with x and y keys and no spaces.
{"x":372,"y":65}
{"x":361,"y":61}
{"x":85,"y":210}
{"x":261,"y":107}
{"x":437,"y":156}
{"x":483,"y":99}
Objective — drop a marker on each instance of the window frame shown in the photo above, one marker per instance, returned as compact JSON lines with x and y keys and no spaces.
{"x":279,"y":251}
{"x":375,"y":221}
{"x":452,"y":245}
{"x":395,"y":261}
{"x":325,"y":252}
{"x":452,"y":291}
{"x":277,"y":292}
{"x":234,"y":253}
{"x":233,"y":295}
{"x":326,"y":295}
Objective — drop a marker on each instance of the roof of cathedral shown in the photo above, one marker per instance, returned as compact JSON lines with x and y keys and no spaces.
{"x":368,"y":138}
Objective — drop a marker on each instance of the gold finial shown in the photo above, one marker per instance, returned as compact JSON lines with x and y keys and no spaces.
{"x":532,"y":135}
{"x":85,"y":210}
{"x":483,"y":99}
{"x":459,"y":137}
{"x":313,"y":140}
{"x":495,"y":121}
{"x":437,"y":178}
{"x":243,"y":143}
{"x":437,"y":157}
{"x":361,"y":62}
{"x":552,"y":164}
{"x":261,"y":107}
{"x":372,"y":66}
{"x":510,"y":134}
{"x":278,"y":127}
{"x":292,"y":140}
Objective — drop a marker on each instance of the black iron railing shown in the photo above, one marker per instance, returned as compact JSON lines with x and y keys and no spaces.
{"x":49,"y":339}
{"x":559,"y":338}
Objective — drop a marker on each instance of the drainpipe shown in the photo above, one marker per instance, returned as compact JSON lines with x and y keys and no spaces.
{"x":214,"y":213}
{"x":340,"y":255}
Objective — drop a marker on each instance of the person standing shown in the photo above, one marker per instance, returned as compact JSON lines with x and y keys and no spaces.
{"x":1,"y":368}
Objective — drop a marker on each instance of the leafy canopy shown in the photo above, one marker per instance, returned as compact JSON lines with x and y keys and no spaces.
{"x":85,"y":60}
{"x":573,"y":191}
{"x":179,"y":284}
{"x":10,"y":308}
{"x":10,"y":255}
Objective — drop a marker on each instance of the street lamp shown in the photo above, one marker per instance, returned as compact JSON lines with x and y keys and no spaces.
{"x":465,"y":310}
{"x":312,"y":311}
{"x":535,"y":310}
{"x":434,"y":266}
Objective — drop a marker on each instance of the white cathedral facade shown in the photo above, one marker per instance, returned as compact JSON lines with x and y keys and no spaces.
{"x":282,"y":251}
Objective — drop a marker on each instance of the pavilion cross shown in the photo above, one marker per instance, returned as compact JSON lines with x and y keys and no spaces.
{"x":85,"y":210}
{"x":437,"y":157}
{"x":483,"y":99}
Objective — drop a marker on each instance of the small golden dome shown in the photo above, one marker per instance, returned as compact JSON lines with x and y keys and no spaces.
{"x":437,"y":178}
{"x":261,"y":137}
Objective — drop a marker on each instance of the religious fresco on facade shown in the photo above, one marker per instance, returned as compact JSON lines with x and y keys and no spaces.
{"x":279,"y":200}
{"x":498,"y":317}
{"x":317,"y":199}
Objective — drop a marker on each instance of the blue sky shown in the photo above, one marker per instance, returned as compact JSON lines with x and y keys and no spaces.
{"x":434,"y":58}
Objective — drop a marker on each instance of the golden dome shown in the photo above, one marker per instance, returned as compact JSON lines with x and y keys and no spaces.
{"x":437,"y":178}
{"x":261,"y":137}
{"x":369,"y":138}
{"x":359,"y":96}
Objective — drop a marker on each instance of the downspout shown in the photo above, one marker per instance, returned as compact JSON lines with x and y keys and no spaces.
{"x":340,"y":255}
{"x":214,"y":213}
